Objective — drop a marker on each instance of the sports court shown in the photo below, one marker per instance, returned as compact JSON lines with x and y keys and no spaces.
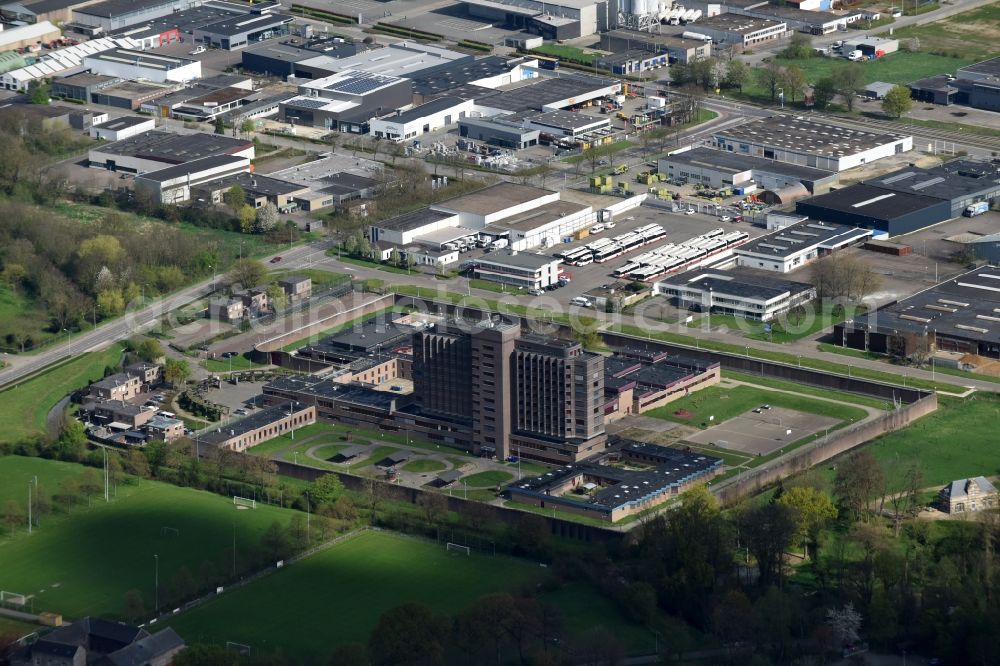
{"x":763,"y":433}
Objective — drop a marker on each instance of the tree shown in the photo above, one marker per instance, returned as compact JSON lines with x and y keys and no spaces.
{"x":274,"y":541}
{"x":90,"y":485}
{"x":769,"y":530}
{"x":350,"y":654}
{"x":845,"y":623}
{"x":730,"y":617}
{"x":794,"y":81}
{"x":770,"y":77}
{"x":844,"y":277}
{"x":248,"y":219}
{"x":176,"y":371}
{"x":136,"y":464}
{"x":150,"y":350}
{"x":394,"y":257}
{"x":276,"y":297}
{"x":326,"y":489}
{"x":904,"y":494}
{"x":897,"y":101}
{"x":111,"y":302}
{"x":267,"y":217}
{"x":38,"y":92}
{"x":823,"y":92}
{"x":13,"y":515}
{"x":135,"y":607}
{"x":408,"y":635}
{"x":41,"y":504}
{"x":72,"y":440}
{"x":248,"y":126}
{"x":814,"y":511}
{"x":434,"y":506}
{"x":856,"y":484}
{"x":220,"y":126}
{"x":849,"y":80}
{"x":235,"y":198}
{"x":737,"y":74}
{"x":799,"y":46}
{"x":67,"y":493}
{"x":247,"y":273}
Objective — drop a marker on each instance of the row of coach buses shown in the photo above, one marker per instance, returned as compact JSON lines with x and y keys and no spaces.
{"x":674,"y":257}
{"x":606,"y":249}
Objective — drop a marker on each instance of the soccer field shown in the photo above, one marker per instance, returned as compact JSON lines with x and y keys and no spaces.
{"x":338,"y":594}
{"x":83,"y":562}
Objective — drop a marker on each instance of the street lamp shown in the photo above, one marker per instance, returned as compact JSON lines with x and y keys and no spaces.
{"x":781,"y":96}
{"x":156,"y":559}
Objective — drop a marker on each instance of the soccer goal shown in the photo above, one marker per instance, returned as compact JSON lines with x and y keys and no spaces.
{"x":13,"y":598}
{"x":244,"y":503}
{"x":458,"y":548}
{"x":239,"y":648}
{"x":170,"y":531}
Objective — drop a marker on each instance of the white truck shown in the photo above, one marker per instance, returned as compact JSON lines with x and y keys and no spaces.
{"x":977,"y":208}
{"x":499,"y":244}
{"x":855,"y":55}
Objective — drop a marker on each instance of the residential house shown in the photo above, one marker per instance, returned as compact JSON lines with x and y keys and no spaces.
{"x":164,"y":428}
{"x":120,"y":386}
{"x":92,"y":641}
{"x":150,"y":374}
{"x":968,"y":495}
{"x":226,"y":309}
{"x":117,"y":415}
{"x":254,"y":300}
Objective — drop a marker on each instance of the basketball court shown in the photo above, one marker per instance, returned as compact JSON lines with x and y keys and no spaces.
{"x":763,"y":433}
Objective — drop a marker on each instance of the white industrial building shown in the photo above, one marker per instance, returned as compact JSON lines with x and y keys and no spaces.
{"x":143,"y":66}
{"x":518,"y":269}
{"x":28,"y":35}
{"x":741,"y":293}
{"x":56,"y":62}
{"x":810,"y":143}
{"x":122,"y":128}
{"x":173,"y":184}
{"x":405,"y":125}
{"x":794,"y":246}
{"x":495,"y":203}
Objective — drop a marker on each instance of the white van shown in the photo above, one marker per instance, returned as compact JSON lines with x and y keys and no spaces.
{"x":855,"y":55}
{"x":597,"y":228}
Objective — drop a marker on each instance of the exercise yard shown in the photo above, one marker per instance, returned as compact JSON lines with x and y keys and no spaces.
{"x":323,"y":592}
{"x":761,"y":434}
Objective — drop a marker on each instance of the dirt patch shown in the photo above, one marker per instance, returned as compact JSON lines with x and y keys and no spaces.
{"x":684,"y":414}
{"x":664,"y":438}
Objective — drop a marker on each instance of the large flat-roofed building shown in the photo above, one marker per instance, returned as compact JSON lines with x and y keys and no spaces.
{"x":495,"y":202}
{"x":677,"y":49}
{"x":810,"y":143}
{"x":961,"y":182}
{"x":796,"y":245}
{"x":155,"y":150}
{"x":636,"y":380}
{"x":141,"y":65}
{"x":976,"y":85}
{"x":742,"y":31}
{"x":632,"y":477}
{"x":517,"y":269}
{"x":300,"y":58}
{"x":131,"y":95}
{"x":346,"y":101}
{"x":410,"y":124}
{"x":566,"y":123}
{"x":488,"y":72}
{"x":958,"y":315}
{"x":259,"y":190}
{"x":239,"y":31}
{"x":401,"y":59}
{"x":741,"y":293}
{"x":500,"y":130}
{"x":405,"y":228}
{"x":542,"y":226}
{"x":173,"y":185}
{"x":886,"y":212}
{"x":81,"y":86}
{"x":547,"y":93}
{"x":275,"y":421}
{"x":559,"y":19}
{"x":20,"y":37}
{"x":720,"y":168}
{"x":112,"y":15}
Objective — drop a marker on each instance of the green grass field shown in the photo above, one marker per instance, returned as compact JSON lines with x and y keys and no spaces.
{"x":726,"y":403}
{"x":565,"y":52}
{"x":83,"y":562}
{"x":805,"y":389}
{"x":973,"y":34}
{"x":338,"y":594}
{"x":786,"y":329}
{"x":489,"y":479}
{"x":24,"y":406}
{"x":19,"y":313}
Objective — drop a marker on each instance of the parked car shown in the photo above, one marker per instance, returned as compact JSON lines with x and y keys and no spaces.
{"x":689,"y":211}
{"x":197,"y":50}
{"x":275,"y":260}
{"x":726,"y":218}
{"x":536,"y":292}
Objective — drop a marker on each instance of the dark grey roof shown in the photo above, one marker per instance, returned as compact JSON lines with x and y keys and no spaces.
{"x":869,"y":201}
{"x":449,"y":76}
{"x":964,"y":307}
{"x":250,"y":423}
{"x":245,"y":23}
{"x":416,"y":113}
{"x":565,"y":119}
{"x":346,"y":183}
{"x":256,"y":184}
{"x":412,"y":220}
{"x":739,"y":282}
{"x":371,"y":335}
{"x":147,"y":650}
{"x":174,"y":148}
{"x":544,"y":91}
{"x":115,"y":8}
{"x":192,"y":168}
{"x":806,"y":135}
{"x":983,"y":68}
{"x":955,"y":180}
{"x":516,"y":259}
{"x":710,"y":158}
{"x":310,"y":388}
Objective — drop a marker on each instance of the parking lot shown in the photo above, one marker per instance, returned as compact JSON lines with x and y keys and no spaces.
{"x":679,"y":228}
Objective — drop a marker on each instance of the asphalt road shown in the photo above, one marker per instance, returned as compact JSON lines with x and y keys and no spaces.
{"x":137,"y":320}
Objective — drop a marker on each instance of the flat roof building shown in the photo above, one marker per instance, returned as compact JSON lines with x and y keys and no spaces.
{"x":122,"y":128}
{"x":112,"y":15}
{"x":236,"y":32}
{"x":155,"y":150}
{"x":173,"y":184}
{"x":961,"y":182}
{"x":958,"y":315}
{"x":260,"y":427}
{"x":796,"y":245}
{"x":299,"y":58}
{"x":500,"y":130}
{"x":495,"y":202}
{"x":720,"y":168}
{"x":743,"y":31}
{"x":742,"y":293}
{"x":346,"y":101}
{"x":547,"y":93}
{"x":885,"y":212}
{"x":676,"y":48}
{"x":810,"y":143}
{"x":410,"y":124}
{"x":141,"y":65}
{"x":523,"y":270}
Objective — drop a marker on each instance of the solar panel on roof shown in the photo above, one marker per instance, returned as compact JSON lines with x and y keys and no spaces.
{"x":927,"y":183}
{"x":308,"y":103}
